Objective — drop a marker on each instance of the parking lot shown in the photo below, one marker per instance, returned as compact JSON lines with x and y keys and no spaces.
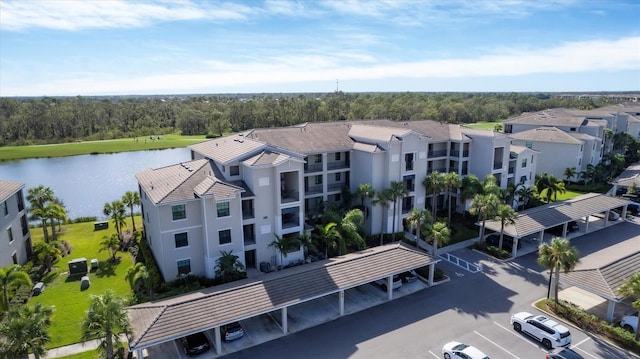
{"x":302,"y":316}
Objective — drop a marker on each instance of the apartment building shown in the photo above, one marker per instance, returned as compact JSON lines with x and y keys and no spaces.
{"x":241,"y":191}
{"x":15,"y":238}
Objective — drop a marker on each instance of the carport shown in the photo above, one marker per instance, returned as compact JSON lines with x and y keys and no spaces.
{"x":536,"y":220}
{"x":605,"y":281}
{"x":163,"y":321}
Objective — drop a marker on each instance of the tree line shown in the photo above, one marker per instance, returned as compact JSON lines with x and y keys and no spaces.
{"x":25,"y":121}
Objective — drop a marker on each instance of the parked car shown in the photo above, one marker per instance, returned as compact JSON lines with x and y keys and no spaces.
{"x":572,"y":226}
{"x":563,"y":353}
{"x":493,"y":239}
{"x":455,"y":350}
{"x":630,"y":322}
{"x":195,"y":343}
{"x":408,"y":277}
{"x":232,"y":331}
{"x":547,"y":331}
{"x":614,"y":216}
{"x":633,"y":209}
{"x":382,"y":283}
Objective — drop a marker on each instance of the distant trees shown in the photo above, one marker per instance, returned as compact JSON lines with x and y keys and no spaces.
{"x":63,"y":119}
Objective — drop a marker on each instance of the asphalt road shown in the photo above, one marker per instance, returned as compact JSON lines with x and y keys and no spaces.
{"x":471,"y":308}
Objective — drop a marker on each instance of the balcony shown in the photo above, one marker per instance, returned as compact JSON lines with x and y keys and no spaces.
{"x":290,"y":219}
{"x":464,"y":172}
{"x":454,"y":153}
{"x":497,"y":165}
{"x":512,"y":170}
{"x":314,"y":189}
{"x":439,"y":169}
{"x":332,"y":187}
{"x":337,"y":165}
{"x":438,"y":153}
{"x":247,"y":209}
{"x":315,"y":167}
{"x":465,"y":153}
{"x":289,"y":196}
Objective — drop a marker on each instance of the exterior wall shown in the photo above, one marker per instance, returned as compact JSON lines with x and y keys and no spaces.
{"x":21,"y":244}
{"x":554,"y":158}
{"x":482,"y":157}
{"x":211,"y":246}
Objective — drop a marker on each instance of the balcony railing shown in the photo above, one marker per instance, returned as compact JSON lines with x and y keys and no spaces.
{"x":465,"y":153}
{"x":337,"y":165}
{"x":315,"y":167}
{"x":439,"y":169}
{"x":454,"y":153}
{"x":290,"y":196}
{"x":314,"y":189}
{"x":248,"y":214}
{"x":464,"y":171}
{"x":408,"y":166}
{"x":438,"y":153}
{"x":335,"y":186}
{"x":497,"y":165}
{"x":249,"y":239}
{"x":512,"y":170}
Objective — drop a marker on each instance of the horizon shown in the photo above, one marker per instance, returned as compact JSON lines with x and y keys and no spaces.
{"x":182,"y":48}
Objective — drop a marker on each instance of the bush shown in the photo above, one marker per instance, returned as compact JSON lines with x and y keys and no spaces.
{"x":21,"y":295}
{"x":438,"y":274}
{"x":491,"y":250}
{"x":85,"y":219}
{"x":145,"y":256}
{"x":36,"y":273}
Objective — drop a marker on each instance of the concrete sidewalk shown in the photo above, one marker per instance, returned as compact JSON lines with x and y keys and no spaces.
{"x":67,"y":350}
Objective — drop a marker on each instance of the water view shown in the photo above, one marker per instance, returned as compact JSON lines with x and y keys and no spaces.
{"x":86,"y":182}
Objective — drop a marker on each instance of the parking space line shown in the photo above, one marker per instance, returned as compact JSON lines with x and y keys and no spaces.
{"x":437,"y":357}
{"x":498,"y":345}
{"x":575,"y":346}
{"x":517,"y":335}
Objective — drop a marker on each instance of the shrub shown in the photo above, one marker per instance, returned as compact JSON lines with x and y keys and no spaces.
{"x":150,"y":263}
{"x":424,"y":273}
{"x":36,"y":273}
{"x":85,"y":219}
{"x":21,"y":295}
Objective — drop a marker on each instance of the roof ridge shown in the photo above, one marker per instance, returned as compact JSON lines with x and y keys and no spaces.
{"x":193,"y":173}
{"x":155,"y":319}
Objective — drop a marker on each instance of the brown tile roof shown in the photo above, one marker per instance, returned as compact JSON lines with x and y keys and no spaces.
{"x":166,"y":320}
{"x":605,"y":281}
{"x":376,"y":133}
{"x":266,"y":158}
{"x":551,"y":117}
{"x":546,"y":134}
{"x":226,"y":149}
{"x":307,"y":138}
{"x":182,"y":182}
{"x":9,"y":188}
{"x":553,"y":214}
{"x":629,"y":176}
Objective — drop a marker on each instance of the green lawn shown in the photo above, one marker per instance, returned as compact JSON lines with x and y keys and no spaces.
{"x":483,"y":125}
{"x":564,"y":196}
{"x":95,"y":147}
{"x":91,"y":354}
{"x":64,"y":292}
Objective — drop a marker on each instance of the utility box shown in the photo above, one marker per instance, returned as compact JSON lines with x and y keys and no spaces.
{"x":100,"y":225}
{"x":78,"y":266}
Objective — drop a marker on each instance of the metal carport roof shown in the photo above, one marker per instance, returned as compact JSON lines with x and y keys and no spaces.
{"x":537,"y":219}
{"x":158,"y":322}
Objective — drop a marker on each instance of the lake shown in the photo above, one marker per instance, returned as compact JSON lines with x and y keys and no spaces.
{"x":85,"y":183}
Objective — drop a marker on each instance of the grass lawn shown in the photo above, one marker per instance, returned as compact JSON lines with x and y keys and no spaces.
{"x":483,"y":125}
{"x":95,"y":147}
{"x":64,"y":292}
{"x":564,"y":196}
{"x":91,"y":354}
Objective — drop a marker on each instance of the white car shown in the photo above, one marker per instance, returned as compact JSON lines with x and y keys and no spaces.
{"x":547,"y":331}
{"x":630,"y":322}
{"x":397,"y":283}
{"x":455,"y":350}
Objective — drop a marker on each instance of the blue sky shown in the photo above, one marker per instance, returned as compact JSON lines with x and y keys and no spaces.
{"x":100,"y":47}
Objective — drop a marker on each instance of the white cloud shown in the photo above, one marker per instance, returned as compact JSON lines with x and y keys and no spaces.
{"x":575,"y":57}
{"x":76,"y":15}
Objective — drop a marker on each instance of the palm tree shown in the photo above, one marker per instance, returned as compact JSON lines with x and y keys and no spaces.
{"x":305,"y":241}
{"x":365,"y":191}
{"x":384,"y":200}
{"x":506,"y":215}
{"x":398,"y":191}
{"x":106,"y":318}
{"x":569,"y":173}
{"x":631,"y":288}
{"x":351,"y":228}
{"x":130,"y":199}
{"x":556,"y":256}
{"x":490,"y":185}
{"x":111,"y":244}
{"x":439,"y":233}
{"x":116,"y":211}
{"x":12,"y":277}
{"x":329,"y":235}
{"x":434,"y":183}
{"x":46,"y":253}
{"x":470,"y":186}
{"x":54,"y":211}
{"x":283,"y":245}
{"x":139,"y":273}
{"x":484,"y":206}
{"x":25,"y":331}
{"x":452,"y":182}
{"x":38,"y":197}
{"x":417,"y":219}
{"x":524,"y":195}
{"x":228,"y":267}
{"x":550,"y":184}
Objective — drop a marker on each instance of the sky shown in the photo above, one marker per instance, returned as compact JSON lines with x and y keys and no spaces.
{"x":102,"y":47}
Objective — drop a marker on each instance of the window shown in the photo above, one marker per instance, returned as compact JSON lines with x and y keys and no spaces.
{"x":10,"y":234}
{"x":337,"y":156}
{"x":524,"y":162}
{"x":338,"y":177}
{"x":225,"y":236}
{"x":20,"y":202}
{"x":223,"y":209}
{"x":179,"y":212}
{"x":14,"y":256}
{"x":181,"y":240}
{"x":318,"y":158}
{"x":318,"y":179}
{"x":25,"y":226}
{"x":6,"y":208}
{"x":184,"y":266}
{"x":234,"y":170}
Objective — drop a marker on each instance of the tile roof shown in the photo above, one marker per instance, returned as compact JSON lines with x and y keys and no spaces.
{"x":553,"y":214}
{"x":162,"y":321}
{"x":266,"y":158}
{"x":182,"y":182}
{"x":546,"y":134}
{"x":377,"y":133}
{"x":583,"y":136}
{"x":307,"y":138}
{"x":551,"y":117}
{"x":226,"y":149}
{"x":629,"y":176}
{"x":605,"y":281}
{"x":8,"y":188}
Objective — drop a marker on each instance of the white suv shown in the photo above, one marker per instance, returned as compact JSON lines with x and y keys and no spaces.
{"x":630,"y":322}
{"x":547,"y":331}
